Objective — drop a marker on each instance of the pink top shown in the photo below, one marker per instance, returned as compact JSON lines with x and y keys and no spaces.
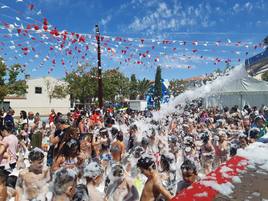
{"x":12,"y":143}
{"x":1,"y":156}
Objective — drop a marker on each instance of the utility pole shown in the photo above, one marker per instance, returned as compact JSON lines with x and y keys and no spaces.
{"x":100,"y":86}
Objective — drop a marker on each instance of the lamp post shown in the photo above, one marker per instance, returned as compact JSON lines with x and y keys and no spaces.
{"x":100,"y":85}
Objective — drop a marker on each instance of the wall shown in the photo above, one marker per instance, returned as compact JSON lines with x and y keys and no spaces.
{"x":40,"y":102}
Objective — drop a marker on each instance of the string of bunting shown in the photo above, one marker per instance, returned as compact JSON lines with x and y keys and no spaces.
{"x":29,"y":37}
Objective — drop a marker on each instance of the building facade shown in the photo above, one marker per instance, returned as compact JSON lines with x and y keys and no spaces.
{"x":39,"y":97}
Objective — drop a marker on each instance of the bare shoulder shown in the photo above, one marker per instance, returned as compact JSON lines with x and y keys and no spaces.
{"x":23,"y":172}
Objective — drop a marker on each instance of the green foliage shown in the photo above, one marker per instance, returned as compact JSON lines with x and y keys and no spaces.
{"x":158,"y":88}
{"x":82,"y":84}
{"x":143,"y":86}
{"x":115,"y":84}
{"x":264,"y":76}
{"x":133,"y":88}
{"x":60,"y":91}
{"x":9,"y":82}
{"x":177,"y":87}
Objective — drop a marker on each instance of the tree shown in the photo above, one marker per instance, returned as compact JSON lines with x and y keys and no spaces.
{"x":133,"y":87}
{"x":143,"y":86}
{"x":55,"y":89}
{"x":3,"y":87}
{"x":9,"y":82}
{"x":82,"y":84}
{"x":60,"y":91}
{"x":177,"y":87}
{"x":264,"y":76}
{"x":115,"y":85}
{"x":158,"y":88}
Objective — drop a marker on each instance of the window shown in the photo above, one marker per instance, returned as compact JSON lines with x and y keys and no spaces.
{"x":38,"y":90}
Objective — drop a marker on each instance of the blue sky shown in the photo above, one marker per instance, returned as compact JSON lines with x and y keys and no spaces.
{"x":203,"y":22}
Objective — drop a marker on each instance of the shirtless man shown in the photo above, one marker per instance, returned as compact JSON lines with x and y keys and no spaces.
{"x":153,"y":187}
{"x":32,"y":181}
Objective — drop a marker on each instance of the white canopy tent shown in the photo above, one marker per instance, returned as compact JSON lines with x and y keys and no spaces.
{"x":242,"y":91}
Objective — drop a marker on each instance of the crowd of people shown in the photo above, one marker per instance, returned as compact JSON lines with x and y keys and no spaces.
{"x":119,"y":155}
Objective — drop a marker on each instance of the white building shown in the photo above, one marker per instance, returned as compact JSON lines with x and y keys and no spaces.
{"x":39,"y":97}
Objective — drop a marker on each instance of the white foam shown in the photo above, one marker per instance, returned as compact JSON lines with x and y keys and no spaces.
{"x":225,"y":188}
{"x":203,"y":91}
{"x":204,"y":194}
{"x":236,"y":179}
{"x":256,"y":194}
{"x":256,"y":153}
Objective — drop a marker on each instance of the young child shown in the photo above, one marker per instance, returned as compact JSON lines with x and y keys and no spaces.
{"x":32,"y":181}
{"x":153,"y":187}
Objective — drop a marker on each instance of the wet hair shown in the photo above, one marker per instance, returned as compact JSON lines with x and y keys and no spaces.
{"x":188,"y":165}
{"x":114,"y":131}
{"x":145,"y":141}
{"x":70,"y":148}
{"x":138,"y":151}
{"x":226,"y":109}
{"x":166,"y":160}
{"x":120,"y":136}
{"x":8,"y":126}
{"x":254,"y":133}
{"x":118,"y":170}
{"x":172,"y":139}
{"x":146,"y":162}
{"x":61,"y":180}
{"x":134,"y":127}
{"x":205,"y":137}
{"x":81,"y":193}
{"x":36,"y":154}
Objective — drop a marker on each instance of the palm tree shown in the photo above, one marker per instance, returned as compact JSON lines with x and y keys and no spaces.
{"x":143,"y":86}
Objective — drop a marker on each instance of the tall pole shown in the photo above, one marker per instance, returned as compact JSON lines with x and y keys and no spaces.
{"x":100,"y":86}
